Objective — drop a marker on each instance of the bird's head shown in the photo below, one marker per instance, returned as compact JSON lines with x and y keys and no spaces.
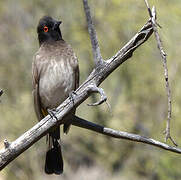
{"x":48,"y":30}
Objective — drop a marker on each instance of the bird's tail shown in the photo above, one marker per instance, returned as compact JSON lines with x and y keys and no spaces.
{"x":54,"y":159}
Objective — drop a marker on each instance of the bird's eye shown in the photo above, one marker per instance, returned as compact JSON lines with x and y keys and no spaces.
{"x":45,"y":29}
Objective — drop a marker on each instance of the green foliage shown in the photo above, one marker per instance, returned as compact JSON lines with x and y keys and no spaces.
{"x":136,"y":90}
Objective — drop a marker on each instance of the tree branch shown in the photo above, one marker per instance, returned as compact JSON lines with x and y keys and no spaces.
{"x":152,"y":15}
{"x":92,"y":32}
{"x":79,"y":122}
{"x":98,"y":74}
{"x":102,"y":94}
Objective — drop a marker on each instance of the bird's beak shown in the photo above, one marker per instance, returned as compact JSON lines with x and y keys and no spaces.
{"x":57,"y":24}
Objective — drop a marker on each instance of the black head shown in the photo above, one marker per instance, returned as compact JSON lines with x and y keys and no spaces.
{"x":48,"y":30}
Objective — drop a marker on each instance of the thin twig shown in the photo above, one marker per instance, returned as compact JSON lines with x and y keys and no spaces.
{"x":103,"y":98}
{"x":122,"y":135}
{"x":92,"y":32}
{"x":152,"y":14}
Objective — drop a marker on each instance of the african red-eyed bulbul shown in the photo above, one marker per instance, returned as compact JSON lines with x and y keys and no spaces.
{"x":55,"y":75}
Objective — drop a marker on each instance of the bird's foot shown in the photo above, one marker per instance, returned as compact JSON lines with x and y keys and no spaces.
{"x":71,"y":96}
{"x":52,"y":112}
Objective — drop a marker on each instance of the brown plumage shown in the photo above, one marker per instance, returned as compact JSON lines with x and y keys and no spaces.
{"x":55,"y":75}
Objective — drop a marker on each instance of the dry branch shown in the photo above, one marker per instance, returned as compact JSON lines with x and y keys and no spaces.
{"x":92,"y":32}
{"x":123,"y":135}
{"x":98,"y":75}
{"x":152,"y":15}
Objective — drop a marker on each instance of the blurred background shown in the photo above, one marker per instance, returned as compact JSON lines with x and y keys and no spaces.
{"x":136,"y":90}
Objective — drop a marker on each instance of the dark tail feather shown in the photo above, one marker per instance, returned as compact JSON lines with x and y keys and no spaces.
{"x":66,"y":127}
{"x":54,"y":159}
{"x":56,"y":133}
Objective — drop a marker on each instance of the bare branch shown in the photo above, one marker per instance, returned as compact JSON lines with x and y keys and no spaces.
{"x":134,"y":43}
{"x":152,"y":14}
{"x":122,"y":135}
{"x":81,"y":94}
{"x":92,"y":32}
{"x":103,"y":98}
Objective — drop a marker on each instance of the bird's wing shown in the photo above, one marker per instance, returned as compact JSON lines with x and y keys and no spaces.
{"x":74,"y":63}
{"x":35,"y":83}
{"x":76,"y":71}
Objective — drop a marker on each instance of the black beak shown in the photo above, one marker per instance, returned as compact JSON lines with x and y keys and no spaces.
{"x":57,"y":24}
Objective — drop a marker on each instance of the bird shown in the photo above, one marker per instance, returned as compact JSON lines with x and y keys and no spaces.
{"x":55,"y":75}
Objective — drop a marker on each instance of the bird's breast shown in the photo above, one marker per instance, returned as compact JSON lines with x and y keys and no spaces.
{"x":56,"y":82}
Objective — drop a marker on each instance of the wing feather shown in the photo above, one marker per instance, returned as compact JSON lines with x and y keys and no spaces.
{"x":35,"y":82}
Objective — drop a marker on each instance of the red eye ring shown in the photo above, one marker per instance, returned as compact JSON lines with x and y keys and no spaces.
{"x":45,"y":29}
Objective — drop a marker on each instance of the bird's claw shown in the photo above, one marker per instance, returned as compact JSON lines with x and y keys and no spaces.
{"x":52,"y":112}
{"x":71,"y":96}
